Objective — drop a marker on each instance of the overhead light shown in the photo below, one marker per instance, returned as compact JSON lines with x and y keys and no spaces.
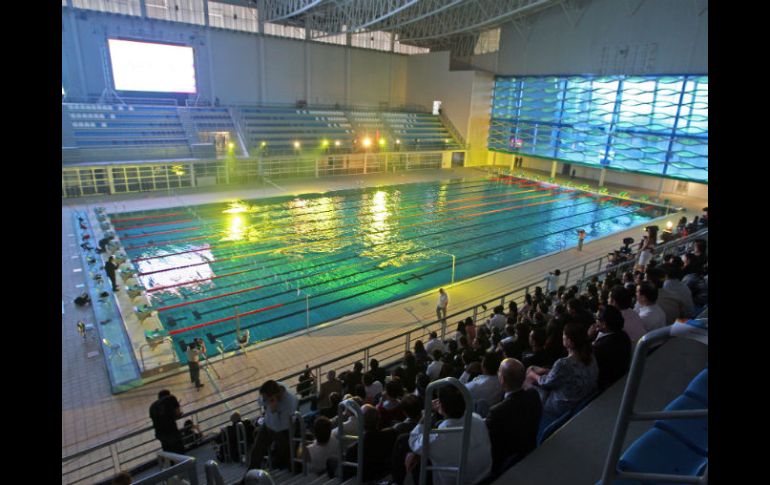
{"x":296,"y":145}
{"x":336,"y":143}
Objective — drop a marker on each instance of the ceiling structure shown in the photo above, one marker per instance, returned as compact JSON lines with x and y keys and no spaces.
{"x":436,"y":24}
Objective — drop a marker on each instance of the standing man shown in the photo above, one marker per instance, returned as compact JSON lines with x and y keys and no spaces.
{"x":279,"y":405}
{"x":193,"y":363}
{"x":443,"y":302}
{"x":164,"y":412}
{"x":110,"y":267}
{"x":552,"y":281}
{"x":581,"y":237}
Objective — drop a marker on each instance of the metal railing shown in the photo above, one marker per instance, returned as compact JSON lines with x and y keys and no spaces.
{"x":104,"y":459}
{"x":696,"y":330}
{"x":177,"y":465}
{"x":427,"y":431}
{"x":352,"y":407}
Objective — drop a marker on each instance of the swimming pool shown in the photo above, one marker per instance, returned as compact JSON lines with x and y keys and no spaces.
{"x":273,"y":266}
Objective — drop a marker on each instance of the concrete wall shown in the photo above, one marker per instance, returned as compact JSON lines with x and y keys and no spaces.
{"x":239,"y":66}
{"x":609,"y":37}
{"x":429,"y":79}
{"x":480,"y":113}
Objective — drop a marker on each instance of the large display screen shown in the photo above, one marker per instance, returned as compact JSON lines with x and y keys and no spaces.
{"x":151,"y":67}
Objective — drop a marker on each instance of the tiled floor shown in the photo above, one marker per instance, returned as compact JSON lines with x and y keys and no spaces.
{"x":91,"y":415}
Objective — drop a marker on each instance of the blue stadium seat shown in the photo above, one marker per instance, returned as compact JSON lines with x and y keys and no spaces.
{"x":658,"y":451}
{"x":698,"y":388}
{"x":692,"y":432}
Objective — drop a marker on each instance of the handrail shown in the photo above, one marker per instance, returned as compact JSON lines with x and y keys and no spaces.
{"x":367,"y":350}
{"x":451,"y":128}
{"x":696,"y":330}
{"x":180,"y":464}
{"x":297,"y":418}
{"x":353,"y":407}
{"x":213,"y":475}
{"x":426,"y":431}
{"x":258,"y":477}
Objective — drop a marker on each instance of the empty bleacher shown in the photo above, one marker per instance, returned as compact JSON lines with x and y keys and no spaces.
{"x":112,"y":132}
{"x":420,"y":131}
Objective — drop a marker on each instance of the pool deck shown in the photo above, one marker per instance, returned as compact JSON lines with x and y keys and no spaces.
{"x":92,"y":415}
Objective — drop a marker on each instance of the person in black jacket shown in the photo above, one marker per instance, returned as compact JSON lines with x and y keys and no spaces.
{"x":164,"y":412}
{"x":110,"y":267}
{"x":513,"y":423}
{"x":612,"y":347}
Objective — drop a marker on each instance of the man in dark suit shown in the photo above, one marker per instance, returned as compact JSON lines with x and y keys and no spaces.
{"x":513,"y":422}
{"x":612,"y":347}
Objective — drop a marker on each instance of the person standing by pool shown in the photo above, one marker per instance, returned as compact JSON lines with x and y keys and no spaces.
{"x":581,"y":237}
{"x":164,"y":412}
{"x":193,"y":357}
{"x":443,"y":302}
{"x":110,"y":267}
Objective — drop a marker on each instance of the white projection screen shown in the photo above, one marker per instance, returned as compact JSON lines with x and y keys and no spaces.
{"x":151,"y":67}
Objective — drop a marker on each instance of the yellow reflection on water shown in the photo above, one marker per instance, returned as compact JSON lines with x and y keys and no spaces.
{"x":236,"y":229}
{"x":379,"y":232}
{"x":315,"y":221}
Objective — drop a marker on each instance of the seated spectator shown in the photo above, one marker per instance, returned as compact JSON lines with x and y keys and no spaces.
{"x":350,"y":421}
{"x":527,"y":306}
{"x":421,"y":383}
{"x":191,"y":434}
{"x":571,"y":379}
{"x":669,"y":302}
{"x":434,"y":344}
{"x":445,"y":447}
{"x":486,"y":387}
{"x":521,"y":344}
{"x":578,"y":314}
{"x":612,"y":347}
{"x":434,"y":369}
{"x":411,"y":406}
{"x":421,"y":356}
{"x":646,"y":307}
{"x":691,"y":264}
{"x":122,"y":478}
{"x":352,"y":379}
{"x":410,"y":371}
{"x":498,"y":318}
{"x":306,"y":385}
{"x":470,"y":329}
{"x":331,"y":385}
{"x":378,"y":446}
{"x":460,"y":332}
{"x":390,"y":404}
{"x":513,"y":423}
{"x":335,"y":398}
{"x":376,"y":371}
{"x":472,"y":367}
{"x":633,"y":325}
{"x":324,"y":447}
{"x":673,"y":284}
{"x":372,"y":388}
{"x":554,"y":343}
{"x":536,"y":355}
{"x":509,"y":336}
{"x":629,"y":281}
{"x":513,"y":310}
{"x":280,"y":405}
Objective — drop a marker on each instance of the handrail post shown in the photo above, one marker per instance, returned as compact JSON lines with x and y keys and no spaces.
{"x":115,"y":457}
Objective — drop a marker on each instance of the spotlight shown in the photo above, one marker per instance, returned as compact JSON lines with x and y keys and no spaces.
{"x":263,"y":144}
{"x":382,"y":142}
{"x":231,"y":145}
{"x":366,"y":142}
{"x":337,"y":143}
{"x":296,"y":145}
{"x":325,"y":143}
{"x":398,"y":142}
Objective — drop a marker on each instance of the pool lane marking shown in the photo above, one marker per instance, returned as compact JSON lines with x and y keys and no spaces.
{"x":486,"y":188}
{"x":309,"y":214}
{"x":141,"y":218}
{"x":161,"y":232}
{"x":440,"y":268}
{"x":338,"y":228}
{"x":201,"y":300}
{"x":220,"y":320}
{"x":288,"y":198}
{"x":153,"y":224}
{"x":281,"y":261}
{"x":355,"y":236}
{"x":482,"y":236}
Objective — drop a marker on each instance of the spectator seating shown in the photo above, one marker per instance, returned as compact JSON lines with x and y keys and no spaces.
{"x":420,"y":131}
{"x":278,"y":128}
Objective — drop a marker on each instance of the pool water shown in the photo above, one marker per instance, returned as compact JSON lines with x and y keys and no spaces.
{"x":274,"y":266}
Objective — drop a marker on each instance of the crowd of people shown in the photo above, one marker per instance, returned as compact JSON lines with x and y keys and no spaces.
{"x":522,"y":366}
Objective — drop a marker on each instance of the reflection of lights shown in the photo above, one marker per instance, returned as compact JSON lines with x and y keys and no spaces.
{"x":377,"y":232}
{"x":236,"y":230}
{"x":235,"y":208}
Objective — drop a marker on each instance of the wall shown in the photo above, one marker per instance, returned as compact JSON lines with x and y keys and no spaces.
{"x":238,"y":66}
{"x":428,"y":79}
{"x":610,"y":37}
{"x":480,"y":112}
{"x":611,"y":176}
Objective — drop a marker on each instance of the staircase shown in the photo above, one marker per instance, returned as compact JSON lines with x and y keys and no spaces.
{"x":188,"y":124}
